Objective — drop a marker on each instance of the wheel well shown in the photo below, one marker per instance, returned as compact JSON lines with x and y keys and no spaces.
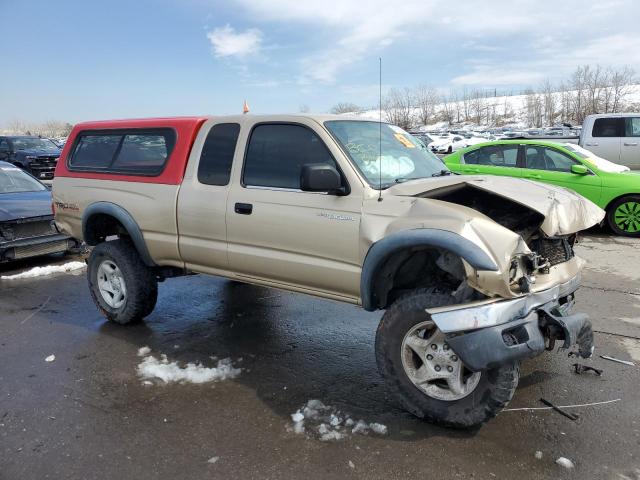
{"x":606,"y":209}
{"x":100,"y":226}
{"x":420,"y":267}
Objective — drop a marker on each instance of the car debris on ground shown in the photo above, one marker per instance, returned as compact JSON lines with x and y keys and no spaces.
{"x":580,"y":369}
{"x":617,"y":360}
{"x":570,"y":416}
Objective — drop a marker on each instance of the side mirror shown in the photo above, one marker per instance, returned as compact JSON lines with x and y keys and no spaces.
{"x":320,"y":177}
{"x":579,"y":169}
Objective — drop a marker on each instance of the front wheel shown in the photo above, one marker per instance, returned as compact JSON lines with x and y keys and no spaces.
{"x":427,"y":377}
{"x":623,"y":216}
{"x":123,"y":288}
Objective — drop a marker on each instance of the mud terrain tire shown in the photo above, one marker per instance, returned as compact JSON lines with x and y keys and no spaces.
{"x":139,"y":280}
{"x":493,"y":392}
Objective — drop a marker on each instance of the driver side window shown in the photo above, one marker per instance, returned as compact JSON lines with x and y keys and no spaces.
{"x":544,"y":158}
{"x":277,"y":152}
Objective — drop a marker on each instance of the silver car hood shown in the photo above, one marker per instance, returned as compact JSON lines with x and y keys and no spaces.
{"x":565,"y":212}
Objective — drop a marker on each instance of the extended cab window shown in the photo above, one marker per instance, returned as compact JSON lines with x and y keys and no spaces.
{"x":277,"y":152}
{"x":143,"y":152}
{"x":493,"y":156}
{"x":217,"y":154}
{"x":608,"y":127}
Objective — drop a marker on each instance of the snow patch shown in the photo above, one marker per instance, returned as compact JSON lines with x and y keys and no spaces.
{"x":50,"y":358}
{"x":326,"y":423}
{"x":213,"y":459}
{"x":153,"y":368}
{"x":143,"y":351}
{"x":44,"y":271}
{"x":565,"y":462}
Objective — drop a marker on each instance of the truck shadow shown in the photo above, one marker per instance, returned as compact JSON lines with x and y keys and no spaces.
{"x":292,"y":348}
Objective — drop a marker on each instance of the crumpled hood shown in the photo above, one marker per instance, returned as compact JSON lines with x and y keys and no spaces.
{"x":565,"y":212}
{"x":15,"y":206}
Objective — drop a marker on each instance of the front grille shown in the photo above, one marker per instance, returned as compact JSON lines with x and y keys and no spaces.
{"x":556,"y":251}
{"x":44,"y":166}
{"x":41,"y":249}
{"x":18,"y":230}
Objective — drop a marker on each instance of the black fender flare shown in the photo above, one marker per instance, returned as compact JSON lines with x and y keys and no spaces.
{"x":427,"y":237}
{"x":127,"y":221}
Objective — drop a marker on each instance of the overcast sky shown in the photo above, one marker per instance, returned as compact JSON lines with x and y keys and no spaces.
{"x":76,"y":60}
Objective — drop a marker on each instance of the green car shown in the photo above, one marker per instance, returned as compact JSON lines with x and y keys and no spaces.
{"x":612,"y":187}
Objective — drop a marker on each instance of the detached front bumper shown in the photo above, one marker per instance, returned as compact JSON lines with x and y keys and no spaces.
{"x":488,"y":333}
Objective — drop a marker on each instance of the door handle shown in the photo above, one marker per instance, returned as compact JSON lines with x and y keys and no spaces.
{"x":589,"y":144}
{"x":631,"y":144}
{"x":243,"y":208}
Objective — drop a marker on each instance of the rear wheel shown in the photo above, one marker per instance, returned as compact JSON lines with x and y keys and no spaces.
{"x":425,"y":374}
{"x":623,"y":216}
{"x":123,"y":288}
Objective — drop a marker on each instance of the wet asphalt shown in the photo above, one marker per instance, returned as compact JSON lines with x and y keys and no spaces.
{"x":87,"y":414}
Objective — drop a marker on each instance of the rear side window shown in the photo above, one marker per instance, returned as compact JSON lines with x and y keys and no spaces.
{"x":608,"y":127}
{"x":217,"y":154}
{"x":277,"y":152}
{"x":493,"y":156}
{"x":142,"y":152}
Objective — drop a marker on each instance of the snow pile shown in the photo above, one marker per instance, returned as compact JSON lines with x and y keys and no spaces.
{"x":144,"y":351}
{"x":48,"y":270}
{"x":327,"y":423}
{"x":154,"y":368}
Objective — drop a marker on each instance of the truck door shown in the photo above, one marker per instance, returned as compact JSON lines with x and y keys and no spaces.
{"x":605,"y":138}
{"x":630,"y":149}
{"x":202,"y":198}
{"x":281,"y":235}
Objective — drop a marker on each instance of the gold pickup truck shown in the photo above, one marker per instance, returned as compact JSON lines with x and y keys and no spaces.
{"x":474,"y":273}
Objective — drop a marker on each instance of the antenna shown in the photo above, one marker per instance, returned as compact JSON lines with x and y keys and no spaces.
{"x":380,"y":130}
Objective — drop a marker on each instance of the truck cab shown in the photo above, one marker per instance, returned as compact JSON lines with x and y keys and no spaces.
{"x":613,"y":136}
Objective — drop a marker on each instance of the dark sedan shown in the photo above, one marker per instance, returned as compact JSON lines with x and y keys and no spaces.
{"x":27,"y":228}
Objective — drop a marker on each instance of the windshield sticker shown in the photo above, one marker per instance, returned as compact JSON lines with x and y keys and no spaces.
{"x":404,"y":140}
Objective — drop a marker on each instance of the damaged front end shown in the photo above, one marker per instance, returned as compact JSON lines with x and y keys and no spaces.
{"x":528,"y":301}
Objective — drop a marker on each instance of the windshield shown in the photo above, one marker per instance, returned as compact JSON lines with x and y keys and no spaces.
{"x":403,"y":157}
{"x":32,"y":143}
{"x":596,"y":161}
{"x":14,"y":180}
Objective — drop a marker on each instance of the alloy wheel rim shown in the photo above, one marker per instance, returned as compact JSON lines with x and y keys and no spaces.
{"x":627,"y":217}
{"x":111,"y":284}
{"x":433,"y":367}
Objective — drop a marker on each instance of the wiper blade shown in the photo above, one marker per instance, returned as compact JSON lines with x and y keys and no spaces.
{"x":406,"y":179}
{"x":442,"y":173}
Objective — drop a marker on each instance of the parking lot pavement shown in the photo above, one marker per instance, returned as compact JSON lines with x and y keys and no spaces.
{"x":87,"y":414}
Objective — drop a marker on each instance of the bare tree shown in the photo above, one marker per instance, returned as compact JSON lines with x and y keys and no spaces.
{"x":398,"y":107}
{"x":621,"y":81}
{"x":345,"y":107}
{"x":426,"y":99}
{"x":549,"y":102}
